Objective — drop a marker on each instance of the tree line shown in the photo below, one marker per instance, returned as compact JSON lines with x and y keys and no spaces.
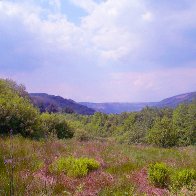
{"x":17,"y":113}
{"x":161,"y":127}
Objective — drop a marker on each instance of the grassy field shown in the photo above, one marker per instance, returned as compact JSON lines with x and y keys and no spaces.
{"x":123,"y":168}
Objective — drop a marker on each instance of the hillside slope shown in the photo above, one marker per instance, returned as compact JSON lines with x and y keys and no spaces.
{"x":176,"y":100}
{"x":116,"y":108}
{"x":53,"y":103}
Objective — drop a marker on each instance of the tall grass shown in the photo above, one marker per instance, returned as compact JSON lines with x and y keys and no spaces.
{"x":122,"y":167}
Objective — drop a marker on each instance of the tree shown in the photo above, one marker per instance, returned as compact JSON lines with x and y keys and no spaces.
{"x":56,"y":124}
{"x":184,"y":123}
{"x":52,"y":108}
{"x":162,"y":133}
{"x":68,"y":110}
{"x":16,"y":111}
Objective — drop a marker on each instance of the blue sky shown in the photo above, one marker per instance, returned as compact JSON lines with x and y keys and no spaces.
{"x":100,"y":50}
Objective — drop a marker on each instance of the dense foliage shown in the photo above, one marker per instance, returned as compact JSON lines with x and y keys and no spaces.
{"x":158,"y":174}
{"x":16,"y":110}
{"x":55,"y":124}
{"x":161,"y":127}
{"x":161,"y":175}
{"x":183,"y":177}
{"x":55,"y":104}
{"x":17,"y":113}
{"x":74,"y":167}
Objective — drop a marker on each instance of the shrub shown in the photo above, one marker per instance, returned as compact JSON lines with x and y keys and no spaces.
{"x":185,"y":124}
{"x":74,"y":167}
{"x":56,"y":124}
{"x":183,"y":178}
{"x":81,"y":135}
{"x":158,"y":174}
{"x":162,"y":133}
{"x":17,"y":112}
{"x":123,"y":168}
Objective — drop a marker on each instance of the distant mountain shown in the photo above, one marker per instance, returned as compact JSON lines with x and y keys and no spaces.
{"x":53,"y":103}
{"x":176,"y":100}
{"x":116,"y":108}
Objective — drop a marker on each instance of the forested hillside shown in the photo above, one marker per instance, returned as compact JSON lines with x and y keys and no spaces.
{"x":51,"y":103}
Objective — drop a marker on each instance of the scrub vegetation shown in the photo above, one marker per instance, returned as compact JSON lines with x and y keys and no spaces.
{"x":151,"y":152}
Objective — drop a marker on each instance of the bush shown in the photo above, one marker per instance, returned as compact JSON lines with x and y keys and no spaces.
{"x":16,"y":111}
{"x":158,"y":174}
{"x":185,"y":124}
{"x":183,"y":178}
{"x":81,"y":135}
{"x":56,"y":124}
{"x":74,"y":167}
{"x":162,"y":133}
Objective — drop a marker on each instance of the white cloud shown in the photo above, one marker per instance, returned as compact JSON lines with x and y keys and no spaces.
{"x":148,"y":16}
{"x":124,"y":36}
{"x":134,"y":29}
{"x":113,"y":29}
{"x":56,"y":4}
{"x":152,"y":85}
{"x":87,"y":5}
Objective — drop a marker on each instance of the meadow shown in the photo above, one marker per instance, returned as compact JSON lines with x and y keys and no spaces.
{"x":25,"y":167}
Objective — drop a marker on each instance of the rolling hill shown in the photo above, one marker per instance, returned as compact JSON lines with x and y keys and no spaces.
{"x":53,"y":103}
{"x":116,"y":108}
{"x":176,"y":100}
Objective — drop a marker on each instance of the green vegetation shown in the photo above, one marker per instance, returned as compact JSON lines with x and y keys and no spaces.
{"x":136,"y":153}
{"x":74,"y":167}
{"x":182,"y":178}
{"x":18,"y":113}
{"x":120,"y":169}
{"x":16,"y":110}
{"x":160,"y":127}
{"x":158,"y":174}
{"x":161,"y":175}
{"x":162,"y":133}
{"x":56,"y":124}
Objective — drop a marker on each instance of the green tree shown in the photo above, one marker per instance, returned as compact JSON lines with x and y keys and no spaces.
{"x":184,"y":123}
{"x":162,"y":133}
{"x":16,"y":111}
{"x":56,"y":124}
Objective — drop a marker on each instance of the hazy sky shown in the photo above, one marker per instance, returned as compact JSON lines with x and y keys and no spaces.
{"x":100,"y":50}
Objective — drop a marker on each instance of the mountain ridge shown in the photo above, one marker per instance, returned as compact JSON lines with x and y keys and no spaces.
{"x":52,"y":103}
{"x":119,"y":107}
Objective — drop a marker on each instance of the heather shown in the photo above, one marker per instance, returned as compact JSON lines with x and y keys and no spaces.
{"x":51,"y":167}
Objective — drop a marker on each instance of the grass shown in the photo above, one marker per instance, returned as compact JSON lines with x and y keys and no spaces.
{"x":122,"y":168}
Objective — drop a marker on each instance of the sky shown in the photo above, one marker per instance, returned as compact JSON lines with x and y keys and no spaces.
{"x":100,"y":50}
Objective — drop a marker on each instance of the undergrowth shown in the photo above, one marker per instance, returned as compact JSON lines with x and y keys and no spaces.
{"x":64,"y":167}
{"x":74,"y":167}
{"x":161,"y":175}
